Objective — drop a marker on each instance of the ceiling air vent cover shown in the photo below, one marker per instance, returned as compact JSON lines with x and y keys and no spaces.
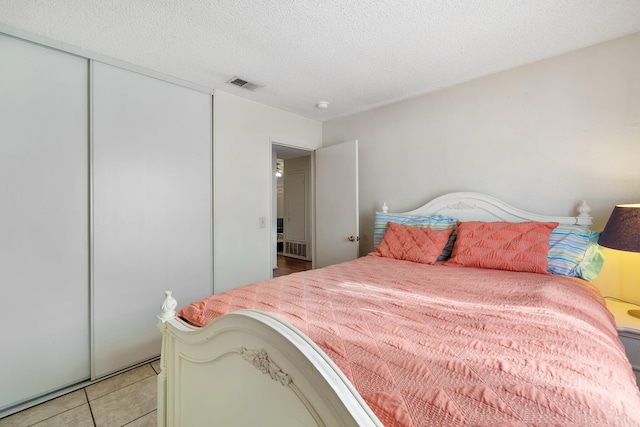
{"x":237,"y":81}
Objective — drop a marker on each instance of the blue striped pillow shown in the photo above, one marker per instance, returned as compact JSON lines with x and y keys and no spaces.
{"x":568,"y":245}
{"x":435,"y":222}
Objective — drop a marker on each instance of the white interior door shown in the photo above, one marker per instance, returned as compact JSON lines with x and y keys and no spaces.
{"x":297,"y":208}
{"x":295,"y":187}
{"x":336,"y":236}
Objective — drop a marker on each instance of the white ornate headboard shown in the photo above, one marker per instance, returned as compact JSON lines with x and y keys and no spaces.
{"x":467,"y":206}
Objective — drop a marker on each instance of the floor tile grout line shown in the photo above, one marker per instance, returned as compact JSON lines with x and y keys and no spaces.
{"x":141,"y":416}
{"x":90,"y":408}
{"x":120,"y":388}
{"x":58,"y":414}
{"x":88,"y":402}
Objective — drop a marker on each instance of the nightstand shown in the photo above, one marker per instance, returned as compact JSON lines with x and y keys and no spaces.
{"x":628,"y":331}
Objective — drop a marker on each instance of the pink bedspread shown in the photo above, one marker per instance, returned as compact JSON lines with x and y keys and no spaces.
{"x":456,"y":346}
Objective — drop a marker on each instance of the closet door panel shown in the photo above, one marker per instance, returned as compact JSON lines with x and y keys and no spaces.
{"x":152,"y":183}
{"x":44,"y":277}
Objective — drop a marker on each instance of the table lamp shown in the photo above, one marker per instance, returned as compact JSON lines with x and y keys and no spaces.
{"x":622,"y":232}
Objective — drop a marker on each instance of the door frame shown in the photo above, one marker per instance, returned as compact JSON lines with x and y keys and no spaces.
{"x":289,"y":150}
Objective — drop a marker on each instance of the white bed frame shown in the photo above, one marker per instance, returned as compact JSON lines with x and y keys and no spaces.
{"x":249,"y":368}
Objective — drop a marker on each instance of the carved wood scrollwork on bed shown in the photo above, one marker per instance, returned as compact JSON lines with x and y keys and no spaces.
{"x":260,"y":359}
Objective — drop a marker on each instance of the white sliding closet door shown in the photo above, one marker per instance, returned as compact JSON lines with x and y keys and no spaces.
{"x":152,"y":184}
{"x":44,"y":276}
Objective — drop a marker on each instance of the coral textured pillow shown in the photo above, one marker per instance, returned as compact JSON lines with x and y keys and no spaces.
{"x":522,"y":246}
{"x":422,"y":245}
{"x":436,"y":222}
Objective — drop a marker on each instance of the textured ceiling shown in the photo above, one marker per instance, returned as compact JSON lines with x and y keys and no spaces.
{"x":355,"y":54}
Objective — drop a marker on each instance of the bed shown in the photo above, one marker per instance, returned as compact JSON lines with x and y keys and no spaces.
{"x":446,"y":334}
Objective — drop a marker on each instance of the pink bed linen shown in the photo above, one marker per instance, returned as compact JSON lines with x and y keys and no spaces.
{"x":456,"y":346}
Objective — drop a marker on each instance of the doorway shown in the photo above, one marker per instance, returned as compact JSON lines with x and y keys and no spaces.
{"x":292,"y":216}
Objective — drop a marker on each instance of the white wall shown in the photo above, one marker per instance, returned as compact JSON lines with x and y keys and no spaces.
{"x":243,"y":132}
{"x":541,"y":137}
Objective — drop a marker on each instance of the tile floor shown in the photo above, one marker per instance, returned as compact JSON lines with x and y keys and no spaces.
{"x":127,"y":399}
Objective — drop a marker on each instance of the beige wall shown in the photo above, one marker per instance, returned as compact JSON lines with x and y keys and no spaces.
{"x":243,"y":178}
{"x":542,"y":137}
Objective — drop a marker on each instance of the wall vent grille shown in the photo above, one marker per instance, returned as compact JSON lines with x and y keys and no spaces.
{"x":298,"y":250}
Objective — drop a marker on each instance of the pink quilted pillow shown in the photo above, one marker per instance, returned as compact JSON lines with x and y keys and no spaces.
{"x":503,"y":245}
{"x":404,"y":242}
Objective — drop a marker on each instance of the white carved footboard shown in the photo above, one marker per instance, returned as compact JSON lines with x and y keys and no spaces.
{"x":249,"y":368}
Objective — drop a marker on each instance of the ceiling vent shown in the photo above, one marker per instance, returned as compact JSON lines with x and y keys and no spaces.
{"x":237,"y":81}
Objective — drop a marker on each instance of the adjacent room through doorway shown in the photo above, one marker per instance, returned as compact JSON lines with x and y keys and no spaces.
{"x":292,"y":210}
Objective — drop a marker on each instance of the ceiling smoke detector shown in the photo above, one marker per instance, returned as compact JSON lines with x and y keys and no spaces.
{"x":237,"y":81}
